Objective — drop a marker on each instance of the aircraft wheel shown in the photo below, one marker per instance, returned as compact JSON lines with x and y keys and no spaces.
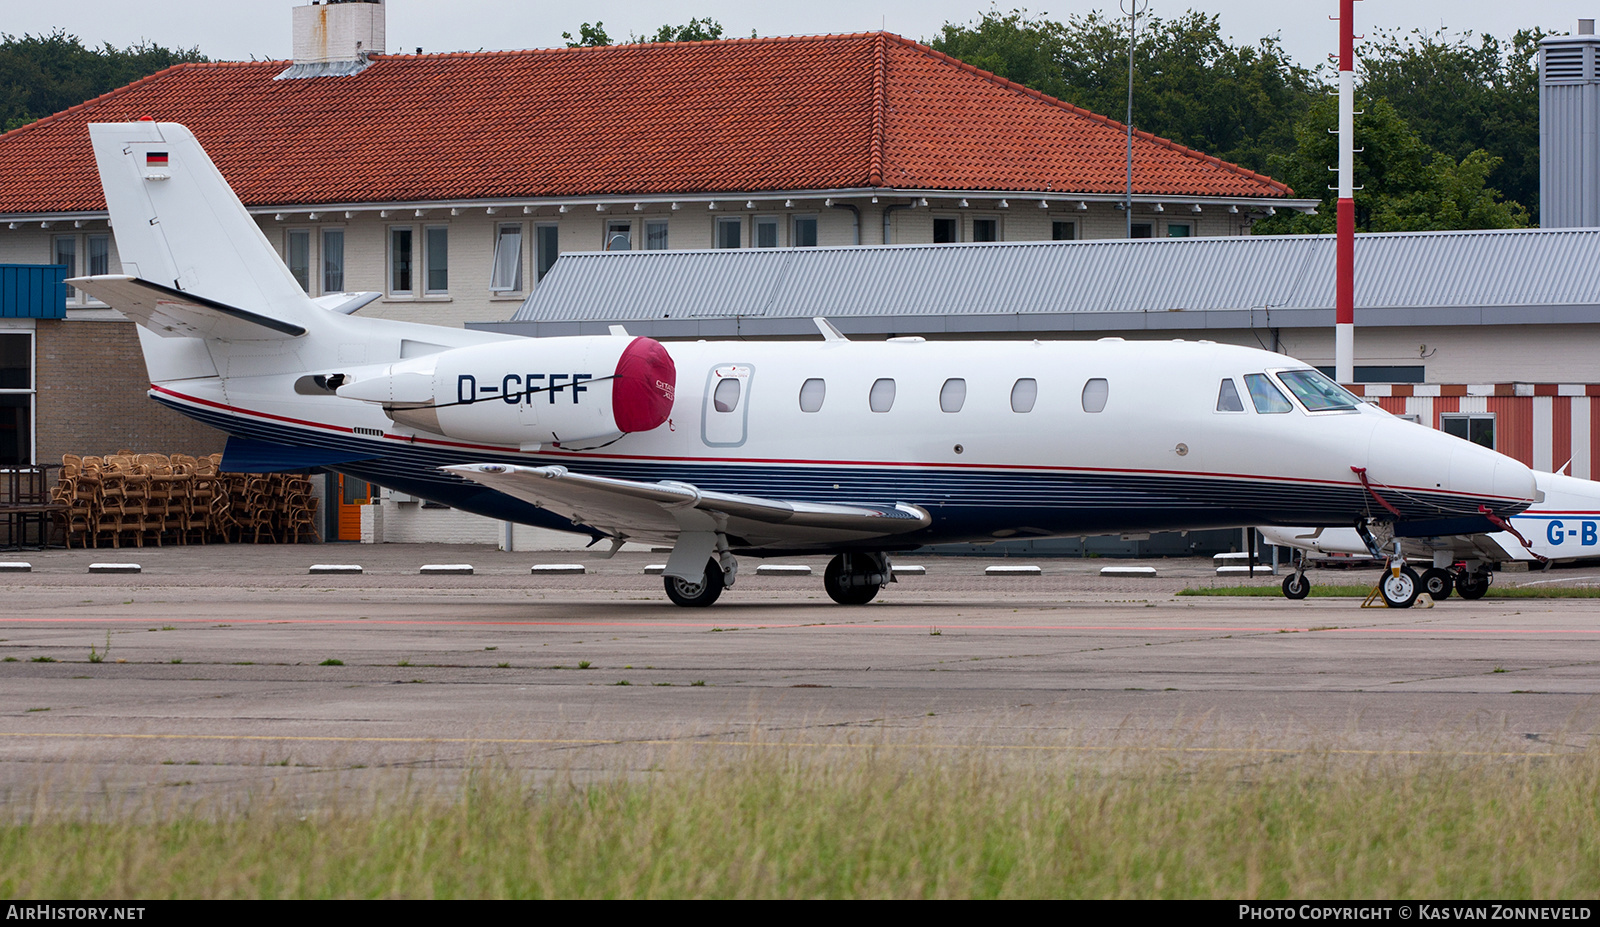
{"x":1402,"y":590}
{"x":836,"y":581}
{"x":696,"y":595}
{"x":1473,"y":585}
{"x":1438,"y":583}
{"x":1296,"y":586}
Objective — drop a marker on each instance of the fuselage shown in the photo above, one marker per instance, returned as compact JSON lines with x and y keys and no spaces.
{"x":994,"y":439}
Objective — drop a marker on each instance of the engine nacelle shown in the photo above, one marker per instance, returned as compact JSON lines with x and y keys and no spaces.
{"x":528,"y":391}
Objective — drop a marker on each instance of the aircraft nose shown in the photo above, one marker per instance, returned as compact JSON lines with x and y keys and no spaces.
{"x":1505,"y":485}
{"x":1405,"y":454}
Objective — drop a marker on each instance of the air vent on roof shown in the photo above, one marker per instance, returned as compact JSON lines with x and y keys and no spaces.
{"x":1563,"y":64}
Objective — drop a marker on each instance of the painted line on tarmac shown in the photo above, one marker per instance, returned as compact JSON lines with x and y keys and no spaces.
{"x":691,"y":742}
{"x":864,"y":625}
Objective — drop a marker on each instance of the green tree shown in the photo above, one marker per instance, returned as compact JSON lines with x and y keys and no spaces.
{"x":1462,"y":93}
{"x":1404,"y":185}
{"x":45,"y":74}
{"x":1191,"y":85}
{"x":588,"y":36}
{"x":696,"y":30}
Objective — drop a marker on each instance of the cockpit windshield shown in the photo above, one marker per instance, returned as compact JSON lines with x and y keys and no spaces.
{"x":1316,"y":392}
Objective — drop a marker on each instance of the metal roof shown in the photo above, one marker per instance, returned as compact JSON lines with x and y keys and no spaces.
{"x":1484,"y":277}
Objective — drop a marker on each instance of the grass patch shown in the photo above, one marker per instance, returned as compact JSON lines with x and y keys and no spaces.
{"x":43,"y":660}
{"x":331,"y":661}
{"x":775,"y":822}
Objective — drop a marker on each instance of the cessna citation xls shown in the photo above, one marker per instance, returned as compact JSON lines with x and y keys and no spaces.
{"x":727,"y":448}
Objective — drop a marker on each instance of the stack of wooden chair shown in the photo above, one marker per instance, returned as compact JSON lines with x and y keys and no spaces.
{"x":141,"y":498}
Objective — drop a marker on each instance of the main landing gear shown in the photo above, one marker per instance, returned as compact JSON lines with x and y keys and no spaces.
{"x":850,"y":579}
{"x":855,"y":579}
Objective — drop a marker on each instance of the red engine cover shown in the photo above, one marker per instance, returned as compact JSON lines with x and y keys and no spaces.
{"x":644,"y":385}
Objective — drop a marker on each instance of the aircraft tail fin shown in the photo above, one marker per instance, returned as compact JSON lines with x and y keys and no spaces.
{"x":180,"y":229}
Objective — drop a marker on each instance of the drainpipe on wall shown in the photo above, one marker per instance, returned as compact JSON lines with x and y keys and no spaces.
{"x":886,"y":211}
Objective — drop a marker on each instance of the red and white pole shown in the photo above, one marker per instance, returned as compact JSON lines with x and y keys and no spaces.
{"x":1344,"y":332}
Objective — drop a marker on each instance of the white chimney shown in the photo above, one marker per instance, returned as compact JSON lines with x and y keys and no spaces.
{"x":338,"y":30}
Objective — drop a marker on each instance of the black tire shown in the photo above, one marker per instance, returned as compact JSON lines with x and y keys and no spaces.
{"x":1438,"y":583}
{"x":696,"y":595}
{"x":833,"y":580}
{"x":1402,"y":590}
{"x":1474,"y":585}
{"x":1296,"y":586}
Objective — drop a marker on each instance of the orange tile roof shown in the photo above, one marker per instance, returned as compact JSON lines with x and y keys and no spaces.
{"x":747,"y":115}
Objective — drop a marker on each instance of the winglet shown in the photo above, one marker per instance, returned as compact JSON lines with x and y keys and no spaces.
{"x":829,"y":332}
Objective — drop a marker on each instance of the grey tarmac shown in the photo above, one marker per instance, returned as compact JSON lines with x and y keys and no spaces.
{"x":217,"y":678}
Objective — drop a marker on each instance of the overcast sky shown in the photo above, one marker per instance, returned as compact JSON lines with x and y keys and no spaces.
{"x":260,"y":28}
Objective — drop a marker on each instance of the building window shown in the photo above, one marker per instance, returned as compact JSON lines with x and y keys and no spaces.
{"x":946,"y":230}
{"x":400,"y":262}
{"x":547,"y":248}
{"x":1061,"y":230}
{"x":619,"y":236}
{"x":299,"y":252}
{"x":1169,"y":230}
{"x":655,"y":235}
{"x":506,"y":277}
{"x":804,"y":232}
{"x":16,"y":399}
{"x":1477,"y":428}
{"x":333,"y":260}
{"x":1141,"y":230}
{"x":985,"y":229}
{"x":728,"y":232}
{"x":1178,"y":229}
{"x":438,"y":244}
{"x":765,"y":232}
{"x":1383,"y":374}
{"x":97,"y":251}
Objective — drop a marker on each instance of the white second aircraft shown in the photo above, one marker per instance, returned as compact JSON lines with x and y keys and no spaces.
{"x":728,"y":448}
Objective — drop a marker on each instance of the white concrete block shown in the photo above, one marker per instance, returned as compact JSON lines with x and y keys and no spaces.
{"x":320,"y":568}
{"x":909,"y":570}
{"x":16,"y":566}
{"x":557,"y":569}
{"x":1244,"y":570}
{"x":114,"y":568}
{"x":449,"y":569}
{"x":655,"y":569}
{"x":1013,"y":571}
{"x":783,"y":569}
{"x":1127,"y":571}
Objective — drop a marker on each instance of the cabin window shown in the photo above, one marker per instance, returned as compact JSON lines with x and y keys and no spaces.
{"x":1095,"y":394}
{"x":1316,"y":392}
{"x":1228,"y":397}
{"x":333,"y":260}
{"x":812,"y":392}
{"x":953,"y":395}
{"x":881,"y":399}
{"x":726,"y":397}
{"x":1265,"y":396}
{"x":506,"y":277}
{"x":1024,"y":393}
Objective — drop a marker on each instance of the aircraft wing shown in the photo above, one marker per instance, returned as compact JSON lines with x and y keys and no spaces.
{"x":173,"y":313}
{"x":661,"y":511}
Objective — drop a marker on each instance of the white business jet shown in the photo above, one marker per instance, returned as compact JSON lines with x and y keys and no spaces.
{"x":1563,"y":525}
{"x":727,"y":448}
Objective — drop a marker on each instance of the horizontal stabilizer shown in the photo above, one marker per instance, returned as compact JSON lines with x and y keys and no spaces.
{"x":243,"y":455}
{"x":631,"y":508}
{"x":176,"y":314}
